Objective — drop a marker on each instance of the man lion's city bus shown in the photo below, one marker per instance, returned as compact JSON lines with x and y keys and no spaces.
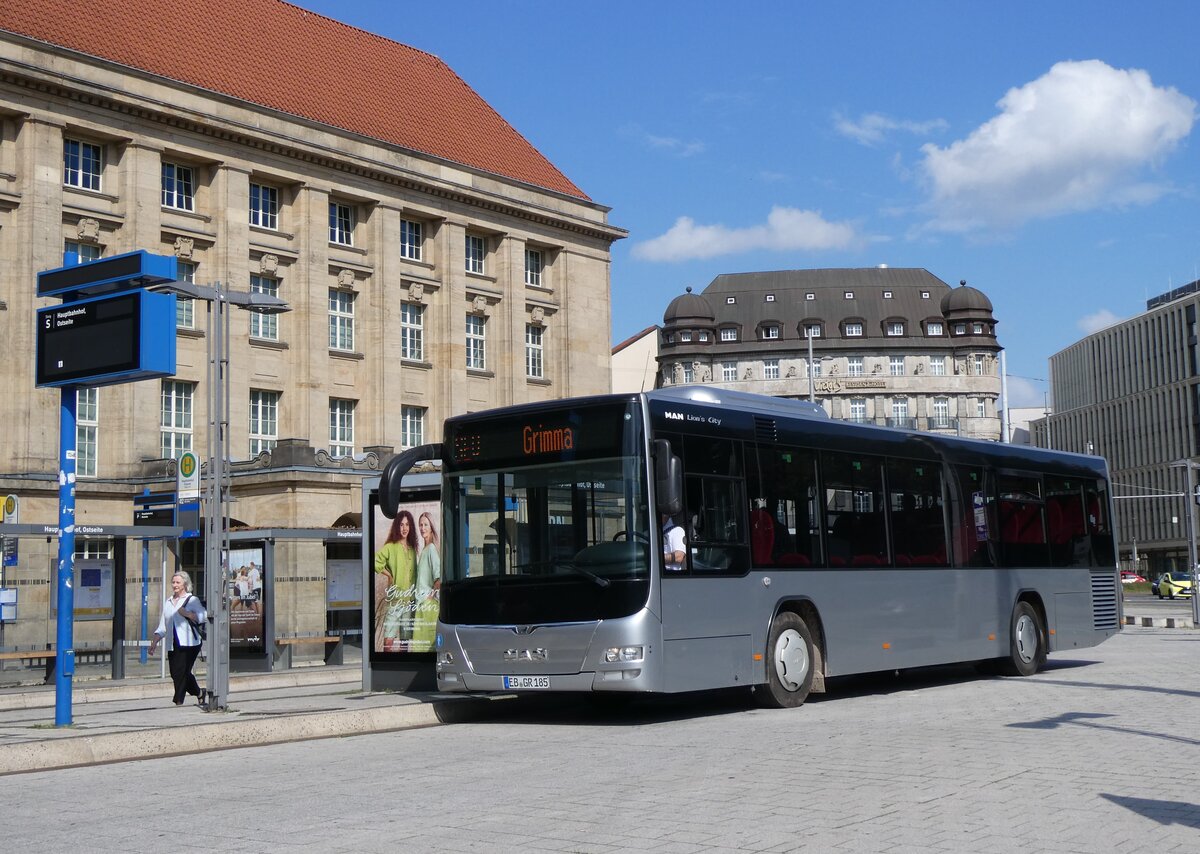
{"x":813,"y":547}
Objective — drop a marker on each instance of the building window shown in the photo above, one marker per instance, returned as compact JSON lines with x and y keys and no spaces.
{"x":533,"y":267}
{"x":887,"y":294}
{"x":770,"y":369}
{"x":178,"y":187}
{"x":924,"y":294}
{"x":476,"y":252}
{"x":185,"y":309}
{"x":476,"y":342}
{"x":728,"y":371}
{"x":978,"y":328}
{"x":341,"y":427}
{"x":412,"y":237}
{"x":341,"y":320}
{"x":933,"y":327}
{"x":977,"y":365}
{"x":895,"y":328}
{"x":770,"y":297}
{"x":412,"y":331}
{"x":854,"y":330}
{"x":703,"y":337}
{"x":848,"y":295}
{"x":81,"y":164}
{"x":810,"y":296}
{"x":87,"y":429}
{"x":730,"y":300}
{"x":854,"y":366}
{"x":814,"y":368}
{"x":812,"y":330}
{"x":412,"y":426}
{"x":175,"y":433}
{"x":858,"y":410}
{"x":899,"y":408}
{"x":980,"y":409}
{"x":937,"y":366}
{"x":770,"y":332}
{"x":728,"y":334}
{"x":83,"y":252}
{"x":685,"y":337}
{"x":341,"y":224}
{"x":264,"y":206}
{"x":689,"y":373}
{"x":533,"y":351}
{"x":896,"y":366}
{"x":960,"y":329}
{"x":264,"y":326}
{"x":941,"y":412}
{"x":264,"y":421}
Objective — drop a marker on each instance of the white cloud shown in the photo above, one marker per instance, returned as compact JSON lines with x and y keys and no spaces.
{"x":872,"y":128}
{"x":786,"y":230}
{"x":1073,"y":140}
{"x":1097,"y":320}
{"x":673,"y":145}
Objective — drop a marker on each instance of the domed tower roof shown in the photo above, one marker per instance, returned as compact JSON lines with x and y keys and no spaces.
{"x":689,"y":309}
{"x":966,"y":300}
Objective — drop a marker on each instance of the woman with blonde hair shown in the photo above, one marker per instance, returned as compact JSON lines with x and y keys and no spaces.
{"x":182,"y":613}
{"x":429,"y":581}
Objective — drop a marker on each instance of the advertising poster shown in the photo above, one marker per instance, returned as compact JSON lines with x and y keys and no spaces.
{"x":406,"y":577}
{"x":245,"y":591}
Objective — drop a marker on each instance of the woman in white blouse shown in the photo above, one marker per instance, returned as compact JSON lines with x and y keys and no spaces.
{"x":181,"y":613}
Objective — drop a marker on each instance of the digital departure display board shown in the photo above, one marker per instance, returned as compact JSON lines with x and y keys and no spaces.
{"x":108,"y":275}
{"x":105,"y":340}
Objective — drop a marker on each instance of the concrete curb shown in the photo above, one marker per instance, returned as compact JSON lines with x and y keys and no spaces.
{"x":151,"y":743}
{"x":1160,"y":622}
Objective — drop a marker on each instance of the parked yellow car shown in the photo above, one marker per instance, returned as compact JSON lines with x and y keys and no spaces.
{"x":1172,"y":584}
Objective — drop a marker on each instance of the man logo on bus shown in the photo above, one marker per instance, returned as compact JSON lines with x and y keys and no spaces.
{"x":543,"y":441}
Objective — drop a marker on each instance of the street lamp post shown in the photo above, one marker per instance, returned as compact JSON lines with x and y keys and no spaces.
{"x":217,"y":480}
{"x":1190,"y":496}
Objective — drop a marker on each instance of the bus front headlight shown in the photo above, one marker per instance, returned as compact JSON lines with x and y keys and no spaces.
{"x":624,"y":653}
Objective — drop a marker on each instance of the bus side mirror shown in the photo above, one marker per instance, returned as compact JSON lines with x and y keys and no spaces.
{"x":668,"y":478}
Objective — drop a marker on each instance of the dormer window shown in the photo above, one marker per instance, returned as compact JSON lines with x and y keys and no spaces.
{"x":812,"y":330}
{"x":848,"y":295}
{"x":729,"y":334}
{"x":978,"y":329}
{"x":894,"y":328}
{"x":960,"y":329}
{"x":685,"y":337}
{"x":924,"y":294}
{"x":854,"y":330}
{"x":810,"y":296}
{"x":887,"y":294}
{"x":730,"y":300}
{"x":770,"y":332}
{"x":770,"y":297}
{"x":934,"y":328}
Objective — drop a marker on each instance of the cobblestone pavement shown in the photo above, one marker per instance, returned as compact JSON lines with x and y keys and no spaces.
{"x":1098,"y":753}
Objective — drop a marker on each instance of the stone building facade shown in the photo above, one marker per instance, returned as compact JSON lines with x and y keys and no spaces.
{"x":433,"y":260}
{"x":897,"y":347}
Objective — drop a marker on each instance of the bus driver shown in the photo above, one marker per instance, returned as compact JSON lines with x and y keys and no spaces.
{"x":673,"y":545}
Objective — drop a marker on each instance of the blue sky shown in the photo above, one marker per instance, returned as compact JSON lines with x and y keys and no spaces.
{"x":1046,"y":152}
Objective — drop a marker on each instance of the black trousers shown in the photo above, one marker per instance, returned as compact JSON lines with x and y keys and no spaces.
{"x":180,"y":660}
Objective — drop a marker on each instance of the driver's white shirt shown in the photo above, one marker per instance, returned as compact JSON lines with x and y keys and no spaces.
{"x":673,"y":541}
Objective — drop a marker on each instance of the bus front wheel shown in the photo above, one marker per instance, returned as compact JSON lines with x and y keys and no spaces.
{"x":1027,"y":642}
{"x":789,"y":663}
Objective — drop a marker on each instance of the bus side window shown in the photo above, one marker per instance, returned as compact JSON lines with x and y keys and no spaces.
{"x":918,"y":523}
{"x":854,"y":507}
{"x":972,"y":517}
{"x":715,"y":516}
{"x":785,"y":528}
{"x":1022,"y":525}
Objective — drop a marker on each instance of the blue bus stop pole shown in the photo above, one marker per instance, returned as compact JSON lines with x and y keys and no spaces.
{"x":65,"y":652}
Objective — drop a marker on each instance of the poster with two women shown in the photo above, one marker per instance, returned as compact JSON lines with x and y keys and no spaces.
{"x":407,"y":577}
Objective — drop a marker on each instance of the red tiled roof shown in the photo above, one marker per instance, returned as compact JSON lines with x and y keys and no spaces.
{"x":286,"y":58}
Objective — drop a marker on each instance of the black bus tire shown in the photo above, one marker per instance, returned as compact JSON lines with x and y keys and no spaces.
{"x":790,"y":662}
{"x":1026,"y":642}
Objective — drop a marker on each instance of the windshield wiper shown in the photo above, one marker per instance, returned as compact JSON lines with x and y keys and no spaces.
{"x":564,"y":563}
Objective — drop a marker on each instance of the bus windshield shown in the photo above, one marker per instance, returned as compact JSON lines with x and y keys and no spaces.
{"x":564,"y":540}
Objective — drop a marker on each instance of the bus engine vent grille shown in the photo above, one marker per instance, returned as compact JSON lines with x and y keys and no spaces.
{"x":1104,"y":600}
{"x":765,"y":429}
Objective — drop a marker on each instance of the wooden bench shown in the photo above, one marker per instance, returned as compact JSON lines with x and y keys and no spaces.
{"x":333,"y":648}
{"x":49,"y":657}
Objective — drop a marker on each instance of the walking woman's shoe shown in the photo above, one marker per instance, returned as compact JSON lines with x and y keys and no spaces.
{"x":202,"y":698}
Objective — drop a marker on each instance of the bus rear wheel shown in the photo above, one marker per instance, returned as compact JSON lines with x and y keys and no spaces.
{"x":1026,"y":644}
{"x":789,"y":663}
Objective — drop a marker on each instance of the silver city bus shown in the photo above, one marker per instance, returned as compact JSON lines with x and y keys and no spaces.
{"x":814,"y":548}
